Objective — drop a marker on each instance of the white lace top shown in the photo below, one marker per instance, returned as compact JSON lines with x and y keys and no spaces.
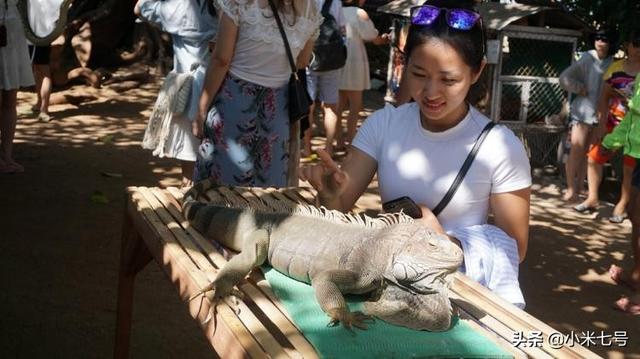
{"x":260,"y":56}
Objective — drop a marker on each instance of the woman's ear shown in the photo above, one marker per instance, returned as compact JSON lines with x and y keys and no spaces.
{"x":476,"y":76}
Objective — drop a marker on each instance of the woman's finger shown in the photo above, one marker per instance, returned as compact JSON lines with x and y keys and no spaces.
{"x":327,"y":161}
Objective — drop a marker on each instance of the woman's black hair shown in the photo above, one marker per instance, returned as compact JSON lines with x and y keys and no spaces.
{"x":609,"y":35}
{"x":468,"y":44}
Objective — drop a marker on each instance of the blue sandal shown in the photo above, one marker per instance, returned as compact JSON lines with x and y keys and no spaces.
{"x":617,"y":218}
{"x":581,"y":208}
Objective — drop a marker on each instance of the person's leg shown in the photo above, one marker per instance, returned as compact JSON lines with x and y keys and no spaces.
{"x":594,"y":177}
{"x":187,"y":173}
{"x":8,"y":119}
{"x":625,"y":191}
{"x":343,"y":103}
{"x":328,"y":95}
{"x":43,"y":89}
{"x":331,"y":125}
{"x":355,"y":105}
{"x":576,"y":160}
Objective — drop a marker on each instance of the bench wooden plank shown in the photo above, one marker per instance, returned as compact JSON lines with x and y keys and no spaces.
{"x":225,"y":328}
{"x":259,"y":331}
{"x":516,"y":319}
{"x":276,"y":313}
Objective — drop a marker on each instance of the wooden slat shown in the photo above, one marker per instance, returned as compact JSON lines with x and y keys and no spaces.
{"x":259,"y":331}
{"x":514,"y":318}
{"x":493,"y":328}
{"x":307,"y":194}
{"x":228,"y":328}
{"x":249,"y":196}
{"x":497,"y":339}
{"x":294,"y":195}
{"x":269,"y":306}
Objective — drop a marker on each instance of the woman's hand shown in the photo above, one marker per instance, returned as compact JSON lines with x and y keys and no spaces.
{"x":430,"y":220}
{"x":197,"y":126}
{"x":327,"y":178}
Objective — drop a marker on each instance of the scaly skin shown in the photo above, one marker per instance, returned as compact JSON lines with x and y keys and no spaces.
{"x":405,"y":262}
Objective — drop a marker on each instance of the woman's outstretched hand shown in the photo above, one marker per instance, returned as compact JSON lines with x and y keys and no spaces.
{"x":326,"y":177}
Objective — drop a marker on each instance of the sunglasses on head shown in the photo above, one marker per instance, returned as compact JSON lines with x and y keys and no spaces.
{"x":459,"y":19}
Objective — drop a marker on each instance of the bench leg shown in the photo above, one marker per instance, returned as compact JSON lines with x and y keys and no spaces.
{"x":134,"y":256}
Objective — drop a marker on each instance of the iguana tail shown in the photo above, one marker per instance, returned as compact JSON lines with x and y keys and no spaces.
{"x":190,"y":204}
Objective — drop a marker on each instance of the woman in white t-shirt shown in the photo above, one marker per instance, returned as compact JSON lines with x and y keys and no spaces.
{"x":242,"y":114}
{"x":418,"y":148}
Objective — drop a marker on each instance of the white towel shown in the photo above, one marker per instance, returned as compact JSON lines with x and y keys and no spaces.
{"x":491,"y":259}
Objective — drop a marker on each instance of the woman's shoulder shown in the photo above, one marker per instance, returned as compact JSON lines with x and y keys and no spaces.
{"x":390,"y":117}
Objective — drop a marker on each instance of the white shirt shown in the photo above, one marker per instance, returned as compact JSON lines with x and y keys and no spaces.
{"x":260,"y":55}
{"x":421,"y":164}
{"x":43,"y":15}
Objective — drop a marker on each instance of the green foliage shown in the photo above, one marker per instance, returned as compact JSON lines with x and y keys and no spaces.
{"x":619,"y":15}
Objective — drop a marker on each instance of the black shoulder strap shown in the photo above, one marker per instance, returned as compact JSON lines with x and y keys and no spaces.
{"x":463,"y":170}
{"x":284,"y":37}
{"x":325,"y":7}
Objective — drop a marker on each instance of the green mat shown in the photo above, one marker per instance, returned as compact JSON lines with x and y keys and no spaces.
{"x":381,"y":340}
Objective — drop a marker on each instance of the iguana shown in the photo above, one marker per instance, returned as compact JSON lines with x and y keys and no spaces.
{"x":404,"y":262}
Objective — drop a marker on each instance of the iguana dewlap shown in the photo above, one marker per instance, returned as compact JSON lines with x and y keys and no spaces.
{"x":404,"y":262}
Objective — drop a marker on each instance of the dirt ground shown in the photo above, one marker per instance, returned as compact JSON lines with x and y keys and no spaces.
{"x":60,"y":238}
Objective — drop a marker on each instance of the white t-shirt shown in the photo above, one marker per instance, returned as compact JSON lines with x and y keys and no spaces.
{"x":260,"y":55}
{"x":422,"y":165}
{"x":43,"y":16}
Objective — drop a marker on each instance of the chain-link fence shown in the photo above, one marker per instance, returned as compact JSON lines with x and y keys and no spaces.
{"x":529,"y":86}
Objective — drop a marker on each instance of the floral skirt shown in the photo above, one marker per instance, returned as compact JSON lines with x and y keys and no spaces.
{"x":246,"y":136}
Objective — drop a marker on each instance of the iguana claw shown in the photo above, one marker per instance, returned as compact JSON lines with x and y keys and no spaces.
{"x":350,"y":319}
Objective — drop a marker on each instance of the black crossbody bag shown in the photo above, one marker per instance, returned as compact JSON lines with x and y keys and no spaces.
{"x":299,"y":99}
{"x":463,"y":170}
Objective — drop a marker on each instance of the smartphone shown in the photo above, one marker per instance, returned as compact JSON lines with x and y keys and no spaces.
{"x":405,"y":204}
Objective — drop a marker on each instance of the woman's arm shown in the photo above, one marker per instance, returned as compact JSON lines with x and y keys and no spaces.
{"x":136,"y":8}
{"x":217,"y":70}
{"x":572,"y":79}
{"x":339,"y":187}
{"x":511,"y":214}
{"x":304,"y":57}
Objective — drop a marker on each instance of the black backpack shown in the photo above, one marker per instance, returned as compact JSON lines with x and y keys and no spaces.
{"x":329,"y":51}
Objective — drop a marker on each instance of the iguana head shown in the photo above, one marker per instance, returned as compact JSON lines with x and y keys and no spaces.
{"x":422,"y":262}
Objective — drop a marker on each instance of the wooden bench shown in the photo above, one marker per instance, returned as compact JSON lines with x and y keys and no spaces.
{"x":154,"y":228}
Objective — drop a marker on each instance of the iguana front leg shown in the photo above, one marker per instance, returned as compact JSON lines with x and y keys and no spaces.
{"x":329,"y":286}
{"x":254,"y":253}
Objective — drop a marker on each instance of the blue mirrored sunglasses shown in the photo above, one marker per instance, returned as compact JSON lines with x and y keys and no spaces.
{"x":459,"y":19}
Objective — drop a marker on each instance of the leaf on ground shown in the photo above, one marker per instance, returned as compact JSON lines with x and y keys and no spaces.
{"x":99,"y":197}
{"x":106,"y":139}
{"x":111,"y":174}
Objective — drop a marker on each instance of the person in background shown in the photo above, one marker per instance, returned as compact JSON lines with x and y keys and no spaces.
{"x":15,"y":72}
{"x":616,"y":90}
{"x":242,"y":114}
{"x":192,"y":24}
{"x":354,"y":76}
{"x":583,"y":79}
{"x":418,"y":148}
{"x":323,"y":87}
{"x":40,"y":57}
{"x":627,"y":136}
